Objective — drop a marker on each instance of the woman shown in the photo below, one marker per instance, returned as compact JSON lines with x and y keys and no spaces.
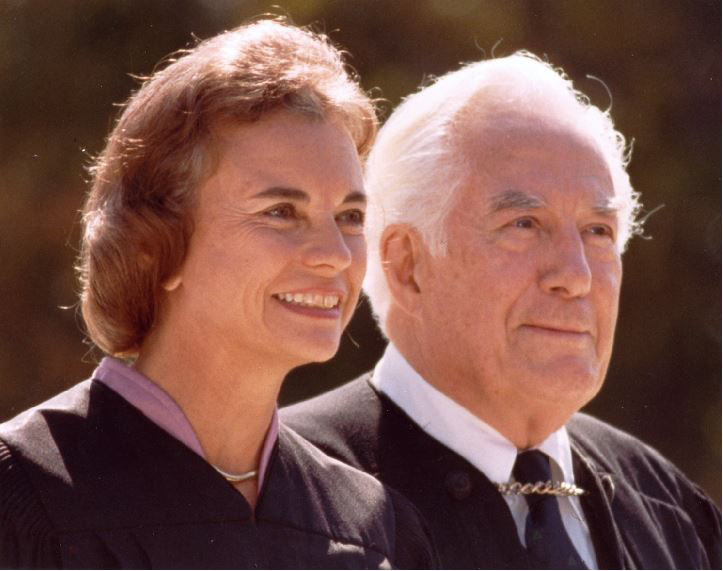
{"x":223,"y":246}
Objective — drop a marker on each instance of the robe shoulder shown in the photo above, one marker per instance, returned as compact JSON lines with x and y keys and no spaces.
{"x":27,"y":539}
{"x":346,"y":423}
{"x":640,"y":470}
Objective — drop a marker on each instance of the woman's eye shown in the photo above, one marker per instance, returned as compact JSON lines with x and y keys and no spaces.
{"x":351,"y":217}
{"x":282,"y":211}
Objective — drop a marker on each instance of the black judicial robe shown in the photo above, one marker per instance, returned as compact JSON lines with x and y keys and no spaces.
{"x":87,"y":481}
{"x":642,"y":511}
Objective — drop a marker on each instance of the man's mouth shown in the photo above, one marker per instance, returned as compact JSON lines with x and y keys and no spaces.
{"x":308,"y":299}
{"x":559,"y":333}
{"x":569,"y":329}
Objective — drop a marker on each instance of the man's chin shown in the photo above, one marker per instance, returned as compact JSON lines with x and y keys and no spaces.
{"x":572,"y":382}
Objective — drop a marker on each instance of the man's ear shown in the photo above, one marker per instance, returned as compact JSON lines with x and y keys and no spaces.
{"x":404,"y":257}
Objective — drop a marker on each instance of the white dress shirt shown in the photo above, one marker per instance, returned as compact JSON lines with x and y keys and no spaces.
{"x":480,"y":444}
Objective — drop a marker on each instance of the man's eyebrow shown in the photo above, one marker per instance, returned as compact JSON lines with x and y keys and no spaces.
{"x":606,"y":207}
{"x":301,"y":196}
{"x":514,"y":200}
{"x":519,"y":200}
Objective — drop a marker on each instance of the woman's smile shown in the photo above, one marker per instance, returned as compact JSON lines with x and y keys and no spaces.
{"x":313,"y":303}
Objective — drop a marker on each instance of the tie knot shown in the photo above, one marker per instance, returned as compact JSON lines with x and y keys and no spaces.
{"x":531,"y":467}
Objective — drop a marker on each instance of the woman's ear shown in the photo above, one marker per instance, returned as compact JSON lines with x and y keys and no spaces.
{"x":172,"y":283}
{"x":404,"y":257}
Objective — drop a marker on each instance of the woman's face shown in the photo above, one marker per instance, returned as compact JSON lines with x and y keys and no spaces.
{"x":277,"y":255}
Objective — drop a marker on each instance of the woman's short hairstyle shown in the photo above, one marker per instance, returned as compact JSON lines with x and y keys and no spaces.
{"x":416,"y":167}
{"x":137,"y":218}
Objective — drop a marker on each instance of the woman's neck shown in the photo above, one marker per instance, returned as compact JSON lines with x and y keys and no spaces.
{"x":228,"y":397}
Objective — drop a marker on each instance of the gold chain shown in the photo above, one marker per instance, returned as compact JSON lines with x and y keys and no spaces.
{"x":236,"y":478}
{"x":545,"y":488}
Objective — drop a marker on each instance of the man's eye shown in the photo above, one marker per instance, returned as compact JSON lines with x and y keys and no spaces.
{"x":600,"y":230}
{"x":524,"y":223}
{"x":351,"y":217}
{"x":282,"y":211}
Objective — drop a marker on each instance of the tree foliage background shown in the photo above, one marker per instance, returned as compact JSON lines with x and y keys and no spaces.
{"x":64,"y":64}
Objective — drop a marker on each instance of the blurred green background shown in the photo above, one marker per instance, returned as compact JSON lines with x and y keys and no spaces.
{"x":64,"y":64}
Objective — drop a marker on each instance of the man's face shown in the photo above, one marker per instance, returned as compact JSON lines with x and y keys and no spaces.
{"x":522,"y":309}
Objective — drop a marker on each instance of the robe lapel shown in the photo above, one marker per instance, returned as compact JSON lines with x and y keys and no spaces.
{"x":610,"y":548}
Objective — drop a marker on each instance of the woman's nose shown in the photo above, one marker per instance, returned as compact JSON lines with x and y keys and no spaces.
{"x":326,"y":249}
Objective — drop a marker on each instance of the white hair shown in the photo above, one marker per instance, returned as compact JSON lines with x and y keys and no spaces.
{"x":414,"y":168}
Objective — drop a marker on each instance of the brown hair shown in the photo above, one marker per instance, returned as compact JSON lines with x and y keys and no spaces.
{"x":137,"y":217}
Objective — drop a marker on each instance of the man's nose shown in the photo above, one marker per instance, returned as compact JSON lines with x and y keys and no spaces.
{"x":326,"y":250}
{"x":567,"y":271}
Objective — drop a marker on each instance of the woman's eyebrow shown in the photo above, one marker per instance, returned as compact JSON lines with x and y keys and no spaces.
{"x":283,"y":192}
{"x":355,"y":196}
{"x":301,"y":196}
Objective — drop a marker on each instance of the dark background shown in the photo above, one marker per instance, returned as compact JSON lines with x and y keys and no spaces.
{"x":64,"y":64}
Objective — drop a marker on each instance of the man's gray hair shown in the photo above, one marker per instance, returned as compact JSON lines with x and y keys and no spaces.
{"x":415,"y":169}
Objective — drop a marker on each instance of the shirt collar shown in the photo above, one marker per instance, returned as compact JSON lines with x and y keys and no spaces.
{"x":456,"y":427}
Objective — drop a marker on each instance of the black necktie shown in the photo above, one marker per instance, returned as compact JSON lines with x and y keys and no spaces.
{"x":545,"y":535}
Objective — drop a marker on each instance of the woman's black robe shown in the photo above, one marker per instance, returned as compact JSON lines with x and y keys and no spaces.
{"x":87,"y":481}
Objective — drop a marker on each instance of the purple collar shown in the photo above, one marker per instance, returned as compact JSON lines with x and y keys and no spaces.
{"x":160,"y":408}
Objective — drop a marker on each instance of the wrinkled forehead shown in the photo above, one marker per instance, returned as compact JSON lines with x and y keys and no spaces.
{"x":544,"y":147}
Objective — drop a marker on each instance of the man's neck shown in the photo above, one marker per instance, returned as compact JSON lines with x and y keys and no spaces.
{"x":517,"y":417}
{"x":456,"y":427}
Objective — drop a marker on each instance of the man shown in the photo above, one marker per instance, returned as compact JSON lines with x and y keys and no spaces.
{"x":500,"y":207}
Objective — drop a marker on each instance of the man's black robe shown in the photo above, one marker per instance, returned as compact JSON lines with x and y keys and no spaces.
{"x":642,"y":511}
{"x":87,"y":481}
